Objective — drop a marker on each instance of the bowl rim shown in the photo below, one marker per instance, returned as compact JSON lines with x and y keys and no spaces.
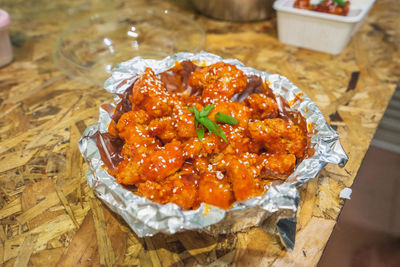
{"x":58,"y":55}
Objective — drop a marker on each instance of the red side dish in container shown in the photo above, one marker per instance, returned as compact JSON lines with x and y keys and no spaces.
{"x":192,"y":135}
{"x":336,"y":7}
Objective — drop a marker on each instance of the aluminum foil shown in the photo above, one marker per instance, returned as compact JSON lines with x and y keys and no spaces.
{"x":147,"y":218}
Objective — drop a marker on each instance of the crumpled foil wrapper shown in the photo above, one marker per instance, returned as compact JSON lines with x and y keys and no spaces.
{"x":147,"y":218}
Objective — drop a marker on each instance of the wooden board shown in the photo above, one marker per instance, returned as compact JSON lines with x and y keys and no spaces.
{"x":49,"y":216}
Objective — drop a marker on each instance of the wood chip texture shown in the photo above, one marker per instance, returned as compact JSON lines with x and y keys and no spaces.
{"x":49,"y":216}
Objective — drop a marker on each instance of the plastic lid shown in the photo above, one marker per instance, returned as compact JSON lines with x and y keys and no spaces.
{"x":89,"y":49}
{"x":4,"y":19}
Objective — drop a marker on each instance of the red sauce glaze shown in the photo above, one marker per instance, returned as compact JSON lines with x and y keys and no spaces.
{"x":326,"y":6}
{"x":163,"y":158}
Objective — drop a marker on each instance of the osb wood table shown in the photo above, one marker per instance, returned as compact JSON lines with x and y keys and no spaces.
{"x":48,"y":214}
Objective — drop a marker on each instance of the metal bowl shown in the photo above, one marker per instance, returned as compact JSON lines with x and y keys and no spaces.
{"x":235,"y":10}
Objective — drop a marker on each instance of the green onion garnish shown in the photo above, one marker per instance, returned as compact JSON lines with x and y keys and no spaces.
{"x":206,"y":110}
{"x":224,"y":118}
{"x":199,"y":130}
{"x":201,"y":121}
{"x":340,"y":2}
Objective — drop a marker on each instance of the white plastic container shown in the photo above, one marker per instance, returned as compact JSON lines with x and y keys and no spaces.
{"x":316,"y":30}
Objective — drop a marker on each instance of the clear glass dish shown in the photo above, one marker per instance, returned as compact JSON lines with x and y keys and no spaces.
{"x":89,"y":49}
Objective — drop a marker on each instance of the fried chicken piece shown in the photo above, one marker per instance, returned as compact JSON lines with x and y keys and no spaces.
{"x":149,"y":93}
{"x":136,"y":152}
{"x":212,"y":143}
{"x":255,"y":146}
{"x":154,"y":191}
{"x":163,"y":128}
{"x":222,"y":162}
{"x":163,"y":162}
{"x":130,"y":119}
{"x":277,"y":166}
{"x":179,"y":125}
{"x":179,"y":189}
{"x":215,"y":190}
{"x":235,"y":134}
{"x":234,"y":109}
{"x":138,"y":116}
{"x":262,"y":107}
{"x":279,"y":136}
{"x":219,"y":161}
{"x":201,"y":165}
{"x":185,"y":127}
{"x":242,"y":179}
{"x":219,"y":82}
{"x":184,"y":189}
{"x":135,"y":134}
{"x":238,"y":141}
{"x":189,"y":100}
{"x":128,"y":172}
{"x":192,"y":148}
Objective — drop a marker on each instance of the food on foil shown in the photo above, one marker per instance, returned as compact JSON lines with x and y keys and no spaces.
{"x":183,"y":137}
{"x":336,"y":7}
{"x":101,"y":146}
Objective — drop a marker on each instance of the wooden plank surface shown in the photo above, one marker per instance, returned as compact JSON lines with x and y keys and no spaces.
{"x":49,"y":216}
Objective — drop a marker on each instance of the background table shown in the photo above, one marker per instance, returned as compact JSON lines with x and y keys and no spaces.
{"x":49,"y":215}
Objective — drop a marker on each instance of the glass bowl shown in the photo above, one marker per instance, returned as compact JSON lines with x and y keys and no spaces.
{"x":89,"y":49}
